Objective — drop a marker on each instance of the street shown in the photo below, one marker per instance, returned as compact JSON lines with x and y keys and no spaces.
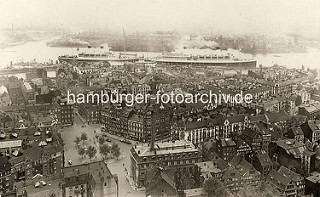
{"x":117,"y":166}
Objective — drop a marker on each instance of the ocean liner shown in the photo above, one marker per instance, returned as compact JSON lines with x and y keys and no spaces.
{"x":205,"y":60}
{"x":100,"y":57}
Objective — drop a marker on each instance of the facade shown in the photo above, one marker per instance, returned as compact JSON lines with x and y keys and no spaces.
{"x":287,"y":182}
{"x":296,"y":133}
{"x":64,"y":111}
{"x":262,"y":162}
{"x":311,"y":130}
{"x":79,"y":185}
{"x":226,"y":149}
{"x":140,"y":89}
{"x":162,"y":182}
{"x":135,"y":127}
{"x":139,"y":122}
{"x":292,"y":154}
{"x":91,"y":179}
{"x":5,"y":173}
{"x":90,"y":113}
{"x":304,"y":94}
{"x":196,"y":132}
{"x":28,"y":92}
{"x":240,"y":174}
{"x":178,"y":154}
{"x":253,"y":138}
{"x":312,"y":111}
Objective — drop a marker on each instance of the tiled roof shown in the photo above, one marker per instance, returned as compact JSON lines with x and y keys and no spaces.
{"x":196,"y":125}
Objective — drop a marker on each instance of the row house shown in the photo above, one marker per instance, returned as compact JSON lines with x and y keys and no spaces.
{"x":89,"y":112}
{"x":240,"y":174}
{"x":311,"y":130}
{"x":264,"y":132}
{"x":292,"y":154}
{"x":90,"y":179}
{"x":139,"y":122}
{"x":287,"y":182}
{"x":304,"y":94}
{"x":220,"y":128}
{"x":176,"y":155}
{"x":312,"y":111}
{"x":116,"y":119}
{"x":5,"y":174}
{"x":135,"y":127}
{"x":140,"y":89}
{"x":64,"y":111}
{"x":262,"y":162}
{"x":253,"y":138}
{"x":295,"y":133}
{"x":225,"y":127}
{"x":225,"y":148}
{"x":273,"y":104}
{"x":196,"y":132}
{"x":209,"y":169}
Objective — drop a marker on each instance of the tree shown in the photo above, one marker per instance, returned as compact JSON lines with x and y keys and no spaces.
{"x":114,"y":146}
{"x":116,"y":150}
{"x":91,"y":152}
{"x":214,"y":188}
{"x":104,"y":150}
{"x":101,"y":140}
{"x":76,"y":192}
{"x":81,"y":151}
{"x":116,"y":153}
{"x":84,"y":137}
{"x":77,"y":141}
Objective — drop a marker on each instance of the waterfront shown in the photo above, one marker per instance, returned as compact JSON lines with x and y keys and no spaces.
{"x":40,"y":52}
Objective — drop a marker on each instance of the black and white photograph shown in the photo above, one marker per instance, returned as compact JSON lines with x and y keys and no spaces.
{"x":159,"y":98}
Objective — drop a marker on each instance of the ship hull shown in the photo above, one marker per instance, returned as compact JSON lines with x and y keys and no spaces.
{"x":243,"y":64}
{"x":69,"y":59}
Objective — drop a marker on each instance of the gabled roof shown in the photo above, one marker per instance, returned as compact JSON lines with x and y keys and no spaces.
{"x":196,"y":125}
{"x":275,"y":117}
{"x":158,"y":174}
{"x":290,"y":174}
{"x":248,"y":133}
{"x":283,"y":180}
{"x":264,"y":159}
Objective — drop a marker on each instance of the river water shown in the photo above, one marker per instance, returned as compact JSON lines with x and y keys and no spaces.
{"x":40,"y":52}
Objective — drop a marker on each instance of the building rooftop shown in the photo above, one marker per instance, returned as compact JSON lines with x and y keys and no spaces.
{"x":28,"y":86}
{"x":292,"y":146}
{"x":51,"y":188}
{"x":314,"y":125}
{"x":196,"y":192}
{"x":208,"y":167}
{"x":163,"y":148}
{"x":315,"y":177}
{"x":100,"y":173}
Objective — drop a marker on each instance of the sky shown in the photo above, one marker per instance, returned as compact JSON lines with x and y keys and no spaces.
{"x":217,"y":16}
